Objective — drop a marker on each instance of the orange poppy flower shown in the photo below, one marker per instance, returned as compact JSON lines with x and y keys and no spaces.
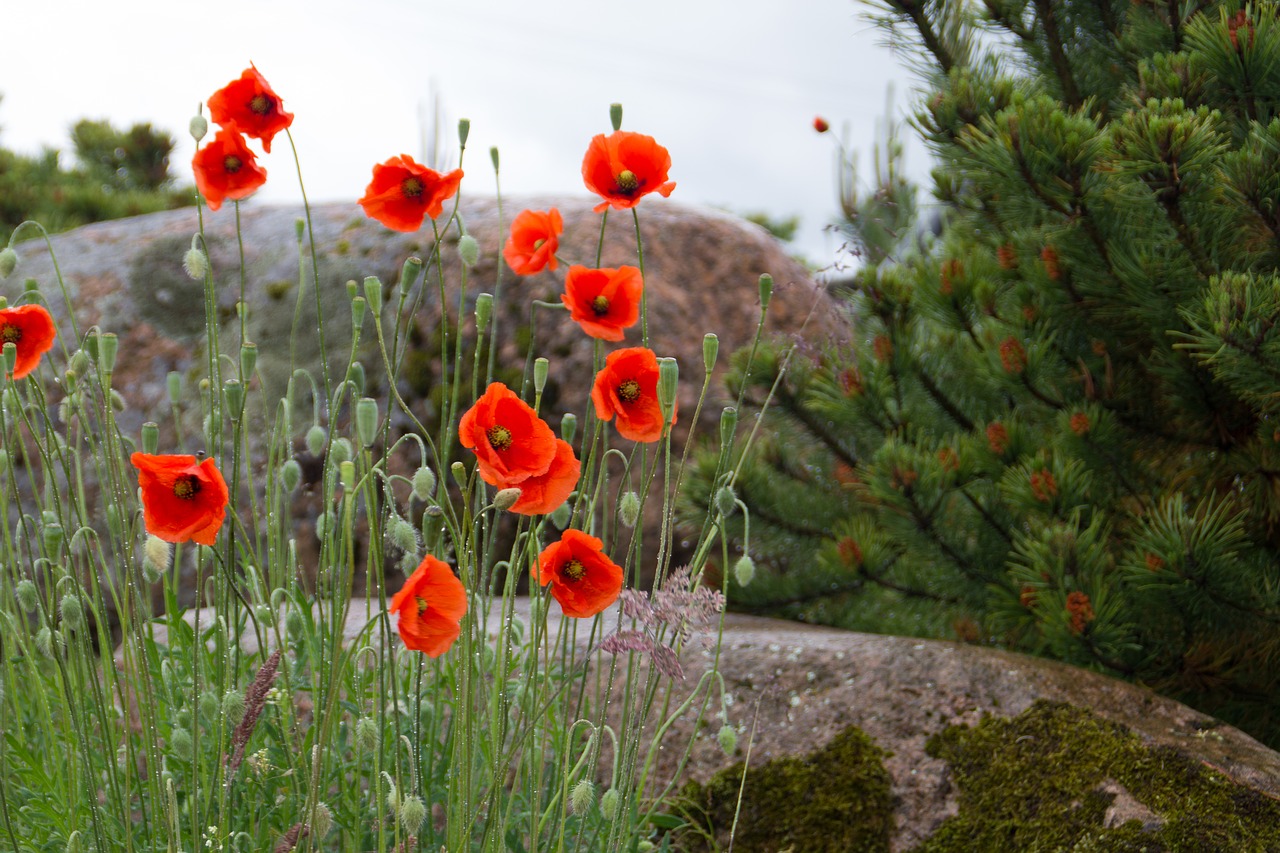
{"x":583,"y":579}
{"x":227,"y":169}
{"x":603,"y":301}
{"x":403,"y":193}
{"x":31,"y":330}
{"x":429,"y":608}
{"x":535,"y":236}
{"x":181,"y":500}
{"x":250,"y":106}
{"x":628,"y":387}
{"x":511,"y":443}
{"x":624,"y":167}
{"x":546,"y":492}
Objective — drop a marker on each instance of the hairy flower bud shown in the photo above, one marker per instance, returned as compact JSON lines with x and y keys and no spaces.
{"x":744,"y":570}
{"x":72,"y":612}
{"x":28,"y":596}
{"x":424,"y":483}
{"x":404,"y":535}
{"x":609,"y":803}
{"x":180,"y":743}
{"x":726,"y":501}
{"x":505,"y":499}
{"x":233,"y":707}
{"x":290,"y":475}
{"x":568,"y":426}
{"x":8,"y":262}
{"x":728,"y":739}
{"x":340,"y":451}
{"x":367,"y":420}
{"x":53,"y":537}
{"x":411,"y":813}
{"x":195,"y":264}
{"x":198,"y":127}
{"x":209,"y":705}
{"x":155,"y":556}
{"x":582,"y":796}
{"x":366,"y":735}
{"x":560,"y":516}
{"x":468,"y":250}
{"x":629,"y":508}
{"x":295,"y":623}
{"x":316,"y":437}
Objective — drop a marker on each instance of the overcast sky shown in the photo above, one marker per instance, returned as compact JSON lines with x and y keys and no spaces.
{"x":730,"y":87}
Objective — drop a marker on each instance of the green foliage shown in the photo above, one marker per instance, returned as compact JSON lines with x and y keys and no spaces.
{"x":1055,"y":425}
{"x":120,"y":173}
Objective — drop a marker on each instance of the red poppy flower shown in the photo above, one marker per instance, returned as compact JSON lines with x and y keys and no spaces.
{"x":820,"y":124}
{"x":603,"y":301}
{"x":628,"y":387}
{"x":624,"y":167}
{"x":31,"y":330}
{"x":181,"y":500}
{"x":582,"y":578}
{"x":511,"y":443}
{"x":546,"y":492}
{"x":535,"y":236}
{"x":227,"y":169}
{"x":250,"y":106}
{"x":429,"y":608}
{"x":403,"y":193}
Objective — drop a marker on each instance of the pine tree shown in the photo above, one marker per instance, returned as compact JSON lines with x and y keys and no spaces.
{"x":1056,"y":424}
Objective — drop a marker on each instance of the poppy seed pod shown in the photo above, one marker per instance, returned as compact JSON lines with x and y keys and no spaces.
{"x":540,"y":369}
{"x":358,"y":308}
{"x":347,"y":474}
{"x":8,"y":262}
{"x":150,"y":437}
{"x":459,"y":472}
{"x":373,"y":293}
{"x":233,"y":393}
{"x":766,"y":290}
{"x":710,"y":349}
{"x":108,"y":346}
{"x":464,"y":130}
{"x":468,"y":250}
{"x":424,"y":483}
{"x":355,"y":375}
{"x":173,"y":384}
{"x":728,"y":425}
{"x":248,"y":360}
{"x":484,"y":311}
{"x":367,"y":420}
{"x":10,"y":358}
{"x":668,"y":377}
{"x":615,"y":116}
{"x":568,"y":426}
{"x":409,"y":273}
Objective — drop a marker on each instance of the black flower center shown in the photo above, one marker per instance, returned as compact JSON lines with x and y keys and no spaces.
{"x":629,"y":391}
{"x":186,"y":487}
{"x":499,"y":437}
{"x":572,"y":571}
{"x":260,"y":104}
{"x":10,"y":334}
{"x":600,"y":305}
{"x":411,"y":187}
{"x":232,"y":164}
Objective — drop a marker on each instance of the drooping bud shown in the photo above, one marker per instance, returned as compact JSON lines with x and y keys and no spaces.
{"x":209,"y":705}
{"x":568,"y":426}
{"x":726,"y":501}
{"x":373,"y":293}
{"x":233,"y":707}
{"x":198,"y":127}
{"x":412,"y":813}
{"x":727,"y":738}
{"x":424,"y":484}
{"x":609,"y":803}
{"x":629,"y":508}
{"x":150,"y":437}
{"x":28,"y":595}
{"x":409,"y":273}
{"x":615,"y":116}
{"x":367,"y":420}
{"x":464,"y":130}
{"x":316,"y":437}
{"x":484,"y":310}
{"x":540,"y":369}
{"x":560,"y":516}
{"x":195,"y":263}
{"x":403,"y":535}
{"x":710,"y":348}
{"x":366,"y":735}
{"x":582,"y":796}
{"x":505,"y":499}
{"x":668,"y":378}
{"x":340,"y":451}
{"x":290,"y":475}
{"x":294,"y":622}
{"x":323,"y":821}
{"x":180,"y":743}
{"x":744,"y":570}
{"x":324,"y":521}
{"x":155,"y":556}
{"x":468,"y":250}
{"x":8,"y":262}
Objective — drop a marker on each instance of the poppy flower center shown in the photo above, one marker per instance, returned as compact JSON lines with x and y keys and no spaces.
{"x":627,"y":181}
{"x":422,"y":604}
{"x":231,"y":163}
{"x":573,"y":571}
{"x":411,"y":187}
{"x":10,"y":334}
{"x":600,"y":305}
{"x":499,"y":437}
{"x":260,"y":104}
{"x":186,"y":487}
{"x":537,"y":244}
{"x":629,"y":391}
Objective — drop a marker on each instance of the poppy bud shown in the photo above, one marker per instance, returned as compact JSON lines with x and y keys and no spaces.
{"x":323,"y":821}
{"x":150,"y":437}
{"x":316,"y":437}
{"x":173,"y":383}
{"x":820,"y":124}
{"x":403,"y":535}
{"x":180,"y":743}
{"x":358,"y":308}
{"x":710,"y":348}
{"x":10,"y":358}
{"x":52,"y":535}
{"x":367,"y":420}
{"x":728,"y":425}
{"x":108,"y":346}
{"x":409,"y":273}
{"x":540,"y":369}
{"x":560,"y":516}
{"x":209,"y":705}
{"x":198,"y":127}
{"x":28,"y":595}
{"x":464,"y":130}
{"x":79,"y":363}
{"x":195,"y":264}
{"x":248,"y":360}
{"x":468,"y":250}
{"x":644,"y":846}
{"x":505,"y":499}
{"x":355,"y":375}
{"x":766,"y":290}
{"x":290,"y":475}
{"x":72,"y":612}
{"x":459,"y":472}
{"x":726,"y":501}
{"x":582,"y":796}
{"x":91,"y":344}
{"x":347,"y":473}
{"x":8,"y":261}
{"x":744,"y":571}
{"x":75,"y":843}
{"x":366,"y":735}
{"x":155,"y":552}
{"x":323,"y":522}
{"x":49,"y":642}
{"x":493,"y":156}
{"x":615,"y":116}
{"x":117,"y":401}
{"x":424,"y":483}
{"x":629,"y":509}
{"x":411,"y":813}
{"x":668,"y":377}
{"x":568,"y":426}
{"x":294,"y":622}
{"x":373,"y":293}
{"x":728,"y":739}
{"x":484,"y":311}
{"x":233,"y":393}
{"x":609,"y":803}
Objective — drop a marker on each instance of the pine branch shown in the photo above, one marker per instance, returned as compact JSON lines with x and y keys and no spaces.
{"x":1045,"y":14}
{"x":913,"y":10}
{"x":935,"y":393}
{"x":819,"y":430}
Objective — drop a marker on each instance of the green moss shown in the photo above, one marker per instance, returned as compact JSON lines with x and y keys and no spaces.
{"x":1044,"y":780}
{"x":835,"y":799}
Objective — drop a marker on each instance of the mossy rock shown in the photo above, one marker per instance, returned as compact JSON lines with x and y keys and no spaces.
{"x":1057,"y":777}
{"x":834,"y":799}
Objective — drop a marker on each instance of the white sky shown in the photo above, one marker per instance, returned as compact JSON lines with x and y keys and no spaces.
{"x":730,"y":87}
